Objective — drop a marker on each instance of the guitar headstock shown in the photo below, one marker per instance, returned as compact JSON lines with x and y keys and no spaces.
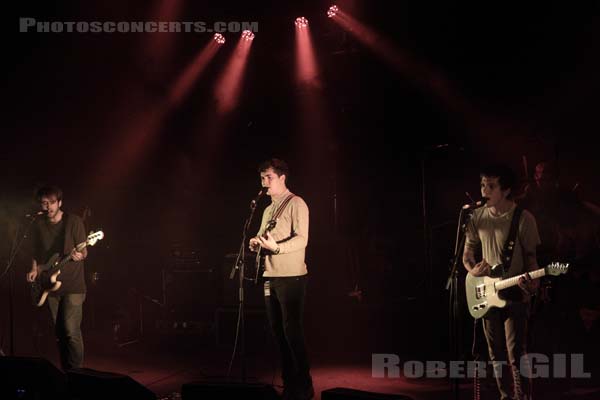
{"x":93,"y":237}
{"x":557,"y":268}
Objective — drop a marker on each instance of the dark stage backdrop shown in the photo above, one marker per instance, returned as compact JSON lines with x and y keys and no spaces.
{"x":492,"y":83}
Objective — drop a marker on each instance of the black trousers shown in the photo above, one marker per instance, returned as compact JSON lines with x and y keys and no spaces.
{"x":284,"y":300}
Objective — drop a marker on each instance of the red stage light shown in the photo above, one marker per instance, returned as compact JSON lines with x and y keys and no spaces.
{"x":332,"y":11}
{"x":248,"y":35}
{"x":219,"y":38}
{"x":301,"y":22}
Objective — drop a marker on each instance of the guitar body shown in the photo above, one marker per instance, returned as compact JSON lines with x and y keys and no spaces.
{"x":45,"y":282}
{"x":261,"y":254}
{"x":482,"y":295}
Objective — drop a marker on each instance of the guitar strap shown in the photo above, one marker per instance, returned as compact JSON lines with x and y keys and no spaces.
{"x":66,"y":245}
{"x":282,"y":207}
{"x":511,"y":240}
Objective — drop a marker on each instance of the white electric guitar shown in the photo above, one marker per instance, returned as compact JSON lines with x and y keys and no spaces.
{"x":46,"y":279}
{"x":483,"y":291}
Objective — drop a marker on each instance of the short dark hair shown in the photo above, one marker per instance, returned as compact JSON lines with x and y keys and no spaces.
{"x":47,"y":191}
{"x":280,"y":167}
{"x":507,"y":179}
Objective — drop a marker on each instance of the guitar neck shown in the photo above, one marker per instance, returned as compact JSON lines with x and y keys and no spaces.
{"x":62,"y":263}
{"x":68,"y":258}
{"x":506,"y":283}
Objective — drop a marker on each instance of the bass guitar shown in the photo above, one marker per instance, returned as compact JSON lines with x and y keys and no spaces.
{"x":46,"y":279}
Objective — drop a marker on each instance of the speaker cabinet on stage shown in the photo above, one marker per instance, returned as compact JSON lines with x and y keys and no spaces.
{"x":353,"y":394}
{"x":190,"y":290}
{"x":31,"y":378}
{"x":227,"y":390}
{"x":87,"y":383}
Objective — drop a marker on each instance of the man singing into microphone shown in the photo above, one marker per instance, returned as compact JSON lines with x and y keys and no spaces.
{"x":505,"y":329}
{"x":285,"y":276}
{"x":59,"y":232}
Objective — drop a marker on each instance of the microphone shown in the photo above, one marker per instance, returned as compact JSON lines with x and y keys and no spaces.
{"x":36,"y":214}
{"x":260,"y":194}
{"x":475,"y":205}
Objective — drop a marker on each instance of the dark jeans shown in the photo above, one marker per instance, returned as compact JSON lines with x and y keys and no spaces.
{"x":67,"y":311}
{"x":505,"y":330}
{"x":285,"y":310}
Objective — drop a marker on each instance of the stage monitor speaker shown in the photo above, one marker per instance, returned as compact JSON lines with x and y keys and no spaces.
{"x":353,"y":394}
{"x":227,"y":390}
{"x":31,"y":378}
{"x":87,"y":383}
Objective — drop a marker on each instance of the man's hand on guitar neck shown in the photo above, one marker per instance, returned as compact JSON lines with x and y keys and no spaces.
{"x":528,"y":285}
{"x":268,"y":243}
{"x":78,"y":255}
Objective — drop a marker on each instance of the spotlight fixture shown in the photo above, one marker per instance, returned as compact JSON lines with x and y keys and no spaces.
{"x":248,"y":35}
{"x":332,"y":11}
{"x":219,"y":38}
{"x":301,"y":22}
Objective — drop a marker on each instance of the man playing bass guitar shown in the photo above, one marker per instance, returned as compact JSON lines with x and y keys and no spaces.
{"x":58,"y":233}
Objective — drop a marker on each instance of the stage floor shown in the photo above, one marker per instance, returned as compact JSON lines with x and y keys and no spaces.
{"x":164,"y":362}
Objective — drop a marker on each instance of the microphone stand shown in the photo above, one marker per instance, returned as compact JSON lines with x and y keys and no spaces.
{"x":239,"y":265}
{"x":453,"y":305}
{"x":16,"y":245}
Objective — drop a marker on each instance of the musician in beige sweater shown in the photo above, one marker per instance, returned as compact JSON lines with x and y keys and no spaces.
{"x":285,"y":275}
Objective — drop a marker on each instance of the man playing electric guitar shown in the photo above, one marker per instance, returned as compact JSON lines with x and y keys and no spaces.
{"x":505,"y":328}
{"x":59,"y":232}
{"x":286,"y":275}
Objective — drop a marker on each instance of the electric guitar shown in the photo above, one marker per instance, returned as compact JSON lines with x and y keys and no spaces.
{"x":483,"y":291}
{"x":261,"y":253}
{"x":45,"y":281}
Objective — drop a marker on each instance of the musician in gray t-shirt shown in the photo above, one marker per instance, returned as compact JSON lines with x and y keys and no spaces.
{"x":505,"y":328}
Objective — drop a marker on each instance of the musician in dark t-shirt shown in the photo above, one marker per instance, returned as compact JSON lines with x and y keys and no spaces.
{"x":59,"y":233}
